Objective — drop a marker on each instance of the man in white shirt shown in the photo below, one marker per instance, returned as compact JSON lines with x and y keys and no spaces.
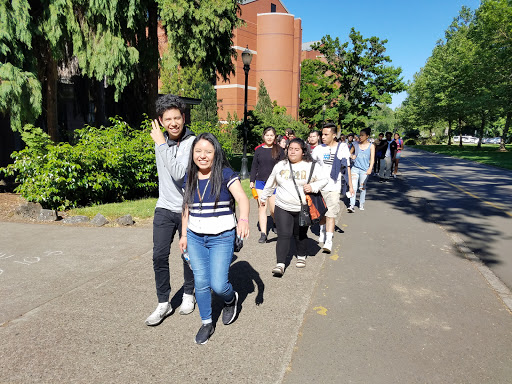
{"x":328,"y":154}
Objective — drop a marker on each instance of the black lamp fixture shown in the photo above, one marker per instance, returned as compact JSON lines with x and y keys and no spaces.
{"x":246,"y":59}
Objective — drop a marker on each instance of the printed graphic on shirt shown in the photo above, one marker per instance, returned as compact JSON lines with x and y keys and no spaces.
{"x":329,"y":158}
{"x":298,"y":175}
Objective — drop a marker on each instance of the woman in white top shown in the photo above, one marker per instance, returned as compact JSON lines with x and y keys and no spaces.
{"x":288,"y":204}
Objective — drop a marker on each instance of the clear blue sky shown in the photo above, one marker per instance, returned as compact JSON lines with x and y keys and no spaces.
{"x":412,"y":27}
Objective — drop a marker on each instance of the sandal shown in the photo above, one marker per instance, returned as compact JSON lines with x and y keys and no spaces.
{"x":301,"y":263}
{"x":278,"y":270}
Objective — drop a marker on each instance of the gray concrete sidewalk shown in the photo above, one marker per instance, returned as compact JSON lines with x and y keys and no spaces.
{"x":78,"y":316}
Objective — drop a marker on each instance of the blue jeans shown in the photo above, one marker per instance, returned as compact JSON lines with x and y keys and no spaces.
{"x":358,"y":182}
{"x":210,"y":258}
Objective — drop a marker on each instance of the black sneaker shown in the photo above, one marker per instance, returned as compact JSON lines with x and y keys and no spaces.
{"x":229,"y":311}
{"x":204,"y":333}
{"x":263,"y":238}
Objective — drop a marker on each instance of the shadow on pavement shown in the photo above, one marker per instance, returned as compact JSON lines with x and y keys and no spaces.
{"x":453,"y":209}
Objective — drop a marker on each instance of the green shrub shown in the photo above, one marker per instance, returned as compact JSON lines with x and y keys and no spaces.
{"x":410,"y":142}
{"x":107,"y":164}
{"x":227,"y":134}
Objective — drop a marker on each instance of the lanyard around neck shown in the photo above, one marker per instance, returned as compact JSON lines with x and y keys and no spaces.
{"x":201,"y":197}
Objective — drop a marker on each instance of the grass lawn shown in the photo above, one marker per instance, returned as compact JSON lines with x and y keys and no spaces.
{"x":488,"y":154}
{"x":139,"y":209}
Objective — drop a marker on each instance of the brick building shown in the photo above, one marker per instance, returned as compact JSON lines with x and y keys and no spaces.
{"x":274,"y":36}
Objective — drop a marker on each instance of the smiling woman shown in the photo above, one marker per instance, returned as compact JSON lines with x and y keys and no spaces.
{"x":209,"y":228}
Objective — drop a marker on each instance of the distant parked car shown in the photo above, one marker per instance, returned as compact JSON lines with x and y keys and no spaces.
{"x":469,"y":139}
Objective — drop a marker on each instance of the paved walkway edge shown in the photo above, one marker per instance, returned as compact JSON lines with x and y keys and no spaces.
{"x":496,"y":284}
{"x":287,"y":358}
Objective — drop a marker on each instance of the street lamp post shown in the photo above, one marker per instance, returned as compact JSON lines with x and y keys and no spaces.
{"x":246,"y":58}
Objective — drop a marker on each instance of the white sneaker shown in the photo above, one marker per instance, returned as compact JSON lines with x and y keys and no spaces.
{"x":321,"y":238}
{"x":161,"y":312}
{"x":350,"y":209}
{"x":187,"y":304}
{"x":361,"y":207}
{"x":327,"y":246}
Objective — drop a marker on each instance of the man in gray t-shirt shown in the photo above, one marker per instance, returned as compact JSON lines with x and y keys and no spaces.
{"x":172,"y":152}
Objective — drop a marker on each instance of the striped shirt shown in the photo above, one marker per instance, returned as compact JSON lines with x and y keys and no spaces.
{"x":204,"y":217}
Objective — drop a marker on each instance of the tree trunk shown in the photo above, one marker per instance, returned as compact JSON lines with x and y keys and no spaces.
{"x":450,"y":122}
{"x":100,"y":104}
{"x":505,"y":132}
{"x":481,"y":133}
{"x":152,"y":41}
{"x":460,"y":131}
{"x":51,"y":97}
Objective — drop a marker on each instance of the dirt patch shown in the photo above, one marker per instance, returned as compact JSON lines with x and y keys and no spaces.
{"x":8,"y":203}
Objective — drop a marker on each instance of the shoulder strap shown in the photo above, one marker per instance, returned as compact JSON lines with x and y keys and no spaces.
{"x":311,"y":172}
{"x":337,"y":147}
{"x":294,"y":183}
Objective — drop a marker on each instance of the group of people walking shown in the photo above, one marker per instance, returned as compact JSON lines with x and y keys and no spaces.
{"x":197,"y":195}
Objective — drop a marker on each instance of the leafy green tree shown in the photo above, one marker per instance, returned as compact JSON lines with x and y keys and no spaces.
{"x":359,"y":77}
{"x":264,"y":104}
{"x":382,"y":119}
{"x":190,"y":82}
{"x":315,"y":89}
{"x":493,"y":33}
{"x":269,"y":113}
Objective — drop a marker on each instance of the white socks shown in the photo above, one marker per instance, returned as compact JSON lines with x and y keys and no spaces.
{"x":328,"y":236}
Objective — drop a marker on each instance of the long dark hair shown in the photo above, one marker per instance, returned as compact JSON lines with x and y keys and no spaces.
{"x":275,"y":147}
{"x":219,"y":162}
{"x":306,"y":156}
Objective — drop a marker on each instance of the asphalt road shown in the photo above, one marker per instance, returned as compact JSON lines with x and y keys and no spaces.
{"x":397,"y":301}
{"x":470,"y":199}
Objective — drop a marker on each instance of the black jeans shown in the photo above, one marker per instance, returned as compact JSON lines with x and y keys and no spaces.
{"x":165,"y":225}
{"x":376,"y":165}
{"x":287,"y":224}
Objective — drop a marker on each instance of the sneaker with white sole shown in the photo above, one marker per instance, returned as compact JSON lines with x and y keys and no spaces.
{"x":229,"y":311}
{"x":351,"y":209}
{"x":204,"y":333}
{"x":301,"y":262}
{"x":321,"y":238}
{"x":161,"y":312}
{"x":327,"y":246}
{"x":187,"y":304}
{"x":361,"y":207}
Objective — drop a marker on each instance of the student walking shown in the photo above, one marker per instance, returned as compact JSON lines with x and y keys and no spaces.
{"x":334,"y":158}
{"x":172,"y":151}
{"x":294,"y":170}
{"x":388,"y":148}
{"x":363,"y":154}
{"x":313,"y":140}
{"x":378,"y":154}
{"x":265,"y":157}
{"x":209,"y":228}
{"x":399,"y":148}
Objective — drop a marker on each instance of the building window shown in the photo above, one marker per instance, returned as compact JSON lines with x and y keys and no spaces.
{"x":273,"y":7}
